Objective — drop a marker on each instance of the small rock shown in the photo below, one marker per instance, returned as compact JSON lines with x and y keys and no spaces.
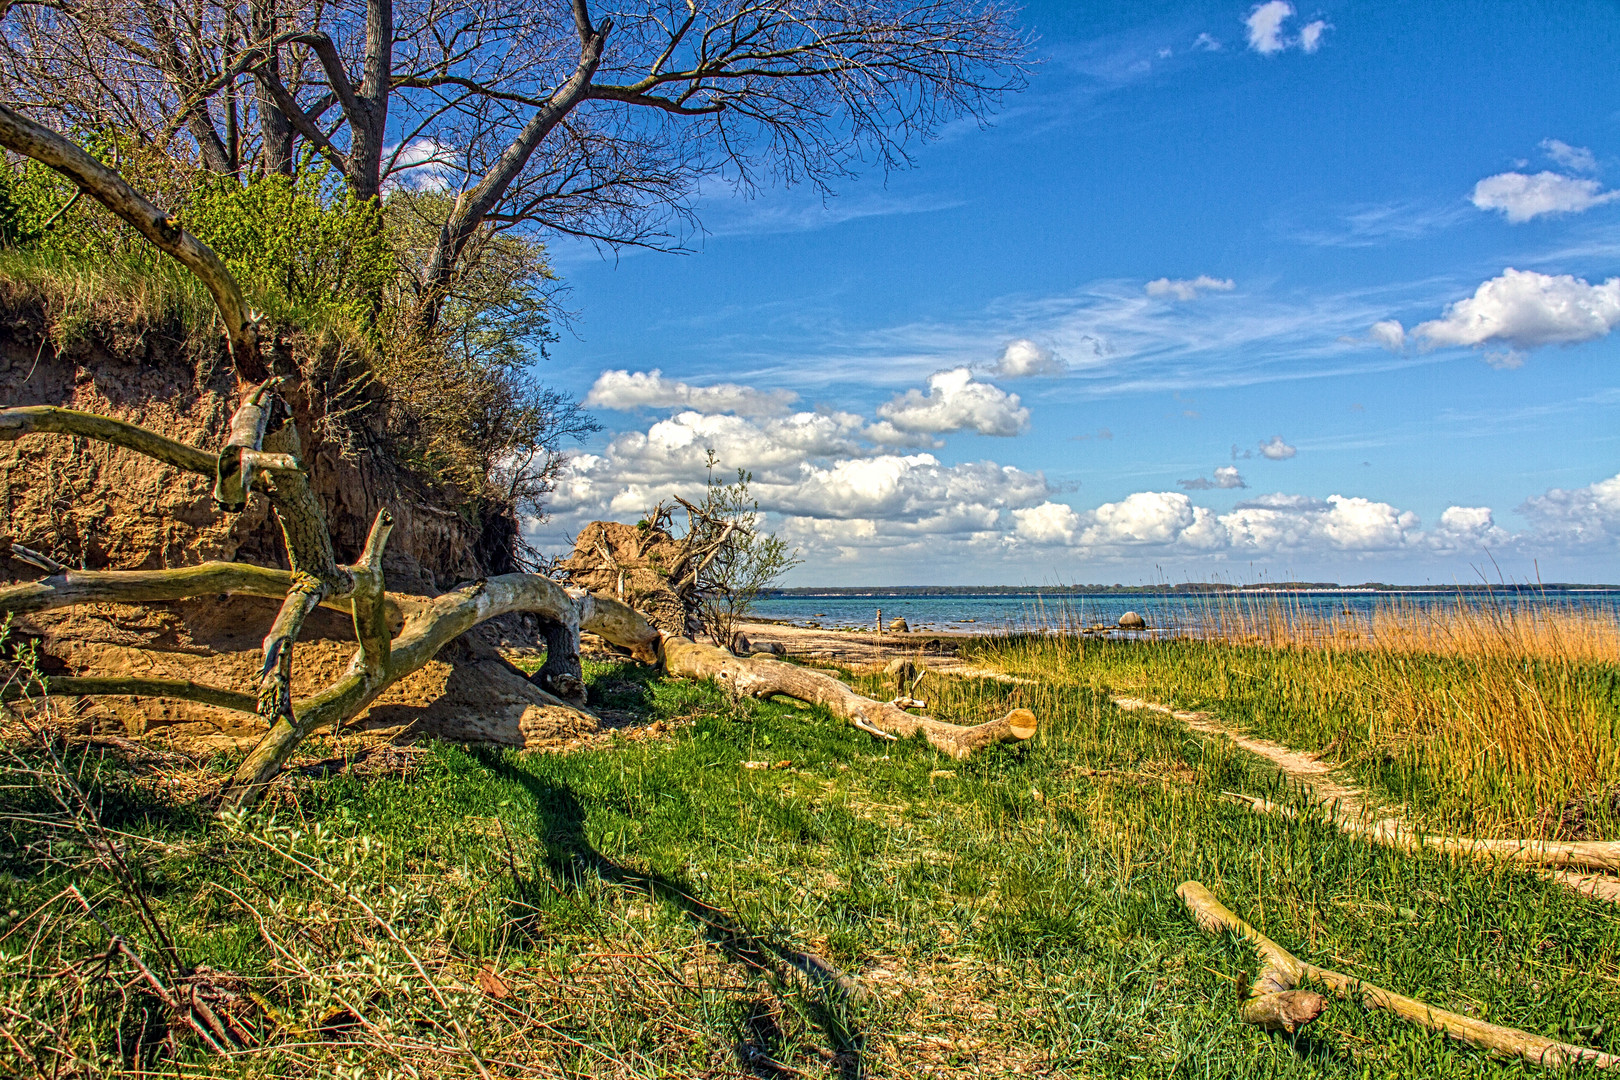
{"x":1132,"y":621}
{"x":899,"y":626}
{"x":770,"y":648}
{"x":901,"y":668}
{"x":740,"y":645}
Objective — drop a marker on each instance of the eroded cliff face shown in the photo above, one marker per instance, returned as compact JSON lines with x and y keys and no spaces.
{"x":100,"y":507}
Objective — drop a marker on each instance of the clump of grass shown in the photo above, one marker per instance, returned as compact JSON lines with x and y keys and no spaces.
{"x":1488,"y":718}
{"x":76,"y":293}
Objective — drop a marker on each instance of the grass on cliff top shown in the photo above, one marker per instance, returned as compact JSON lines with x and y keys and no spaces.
{"x":1485,"y":720}
{"x":608,"y":912}
{"x":137,"y":289}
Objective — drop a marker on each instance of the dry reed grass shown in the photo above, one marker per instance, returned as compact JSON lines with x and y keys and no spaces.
{"x":1465,"y":627}
{"x":1497,"y":717}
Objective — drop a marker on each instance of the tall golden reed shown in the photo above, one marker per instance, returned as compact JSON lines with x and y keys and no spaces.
{"x":1488,"y":712}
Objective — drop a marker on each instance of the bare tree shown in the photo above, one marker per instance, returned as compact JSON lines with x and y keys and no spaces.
{"x":742,"y":558}
{"x":603,"y":125}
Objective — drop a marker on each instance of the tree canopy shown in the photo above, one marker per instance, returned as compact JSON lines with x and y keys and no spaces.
{"x":598,"y":121}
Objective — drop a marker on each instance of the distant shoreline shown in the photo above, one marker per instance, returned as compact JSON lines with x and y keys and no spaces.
{"x":1190,"y":589}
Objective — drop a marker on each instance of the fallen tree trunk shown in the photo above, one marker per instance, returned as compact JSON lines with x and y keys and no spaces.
{"x":1282,"y":971}
{"x":755,"y":677}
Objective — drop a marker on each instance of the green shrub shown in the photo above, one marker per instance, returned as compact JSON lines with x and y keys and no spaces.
{"x":303,"y":239}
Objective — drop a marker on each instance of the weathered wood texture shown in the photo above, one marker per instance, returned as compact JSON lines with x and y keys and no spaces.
{"x":1551,"y":854}
{"x":757,"y":677}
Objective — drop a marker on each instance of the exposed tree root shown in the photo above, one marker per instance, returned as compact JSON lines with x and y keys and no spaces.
{"x":262,"y":453}
{"x":1277,"y":1003}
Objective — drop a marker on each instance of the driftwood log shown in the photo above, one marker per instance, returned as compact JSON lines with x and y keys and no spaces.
{"x":757,"y":677}
{"x":1276,"y":1002}
{"x":1346,"y":809}
{"x":1546,"y":854}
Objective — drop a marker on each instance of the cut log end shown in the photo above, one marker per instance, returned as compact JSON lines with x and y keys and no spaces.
{"x":1021,"y":724}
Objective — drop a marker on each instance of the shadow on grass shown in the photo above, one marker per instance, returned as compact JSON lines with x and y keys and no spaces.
{"x":826,"y":997}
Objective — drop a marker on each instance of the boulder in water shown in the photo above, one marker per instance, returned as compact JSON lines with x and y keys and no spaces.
{"x":1132,"y":621}
{"x":899,"y":626}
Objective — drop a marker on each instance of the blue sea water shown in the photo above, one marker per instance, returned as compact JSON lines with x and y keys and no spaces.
{"x":1003,"y":612}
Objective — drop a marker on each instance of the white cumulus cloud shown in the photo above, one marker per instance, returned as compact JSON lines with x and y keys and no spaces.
{"x":1023,"y":358}
{"x":1145,"y":517}
{"x":1276,"y":449}
{"x":955,"y":401}
{"x":1524,"y":309}
{"x":1467,"y":527}
{"x":1390,"y":334}
{"x":628,"y":390}
{"x":1265,"y":25}
{"x":1266,"y":29}
{"x":1048,"y":523}
{"x":1521,"y":197}
{"x":1578,"y":518}
{"x":1189,"y":288}
{"x":1339,"y":522}
{"x":1226,"y":477}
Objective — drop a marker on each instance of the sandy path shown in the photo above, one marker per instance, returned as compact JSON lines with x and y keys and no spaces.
{"x":1348,"y":805}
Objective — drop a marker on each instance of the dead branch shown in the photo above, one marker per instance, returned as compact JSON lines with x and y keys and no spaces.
{"x":36,"y":559}
{"x":213,"y":578}
{"x":755,"y":677}
{"x":1282,"y":972}
{"x":48,"y":419}
{"x":118,"y":686}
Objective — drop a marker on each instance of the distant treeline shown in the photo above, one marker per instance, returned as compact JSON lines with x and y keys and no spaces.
{"x":1190,"y":588}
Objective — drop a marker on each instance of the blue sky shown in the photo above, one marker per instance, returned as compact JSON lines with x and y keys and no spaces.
{"x":1230,"y":291}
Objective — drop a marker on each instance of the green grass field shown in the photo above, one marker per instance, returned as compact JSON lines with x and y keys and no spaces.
{"x":634,"y":910}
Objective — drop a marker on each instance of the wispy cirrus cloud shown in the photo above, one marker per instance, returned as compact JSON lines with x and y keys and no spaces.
{"x":725,"y":212}
{"x":1378,"y":224}
{"x":1112,"y":336}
